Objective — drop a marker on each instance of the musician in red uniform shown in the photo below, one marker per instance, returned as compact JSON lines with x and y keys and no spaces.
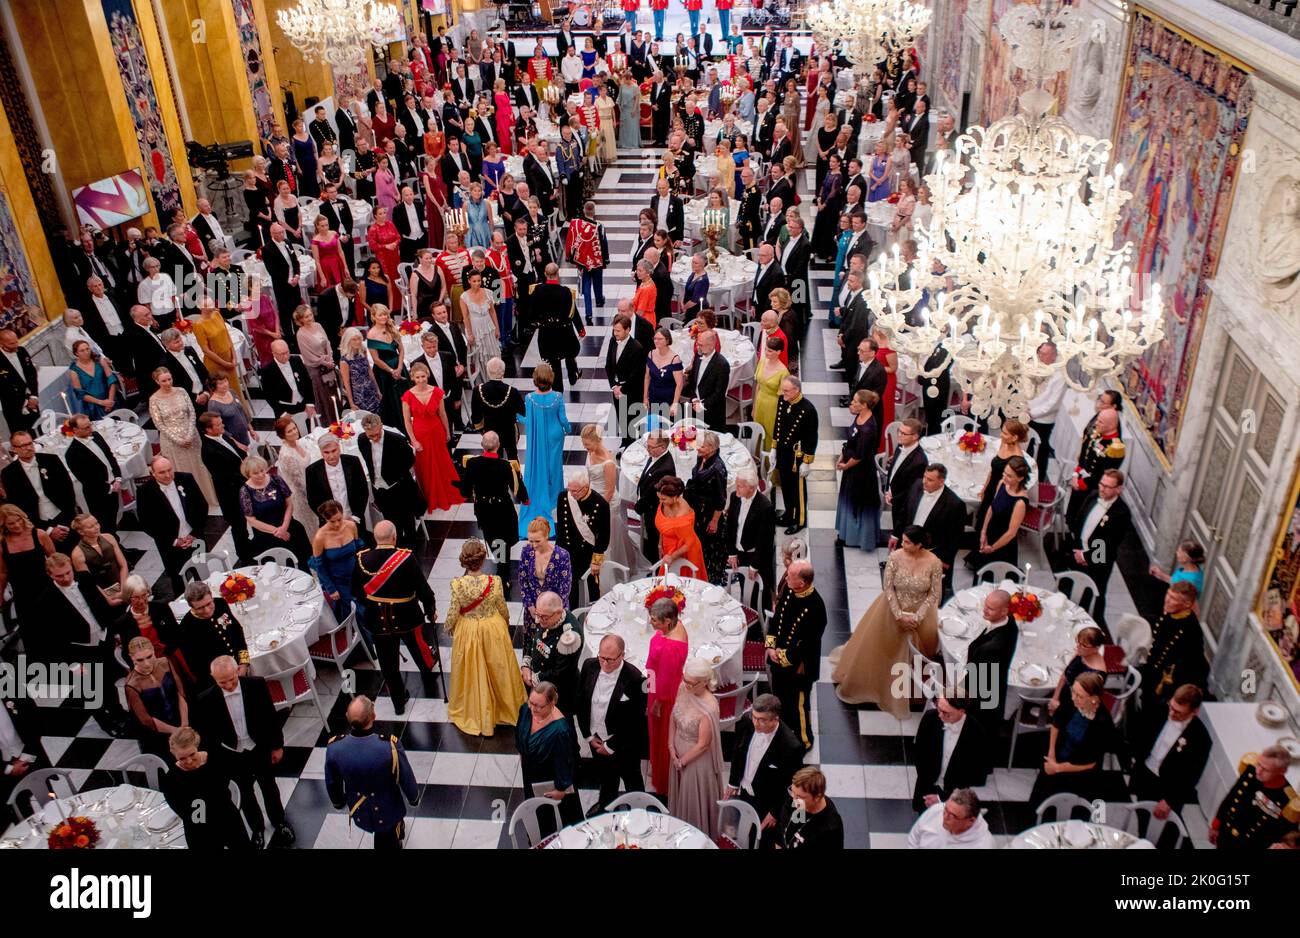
{"x":629,"y":12}
{"x":659,"y":8}
{"x":724,"y":20}
{"x":693,"y":11}
{"x":588,"y":250}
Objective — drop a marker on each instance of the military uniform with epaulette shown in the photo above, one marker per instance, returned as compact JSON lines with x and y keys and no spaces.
{"x":794,"y":635}
{"x":398,"y":606}
{"x":368,"y":773}
{"x":1253,"y":816}
{"x":795,"y":433}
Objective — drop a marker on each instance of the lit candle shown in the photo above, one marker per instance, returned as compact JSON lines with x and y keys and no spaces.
{"x":67,"y":408}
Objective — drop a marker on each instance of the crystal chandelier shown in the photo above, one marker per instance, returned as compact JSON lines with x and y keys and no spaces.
{"x":867,"y":30}
{"x":1019,"y":251}
{"x":337,"y":31}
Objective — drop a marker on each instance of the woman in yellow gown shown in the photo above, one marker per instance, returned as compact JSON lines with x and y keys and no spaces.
{"x":218,"y":350}
{"x":486,"y":689}
{"x":767,"y":382}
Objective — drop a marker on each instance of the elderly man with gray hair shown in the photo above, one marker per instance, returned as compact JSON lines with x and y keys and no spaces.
{"x":582,"y":528}
{"x":496,"y":406}
{"x":749,"y":532}
{"x":708,"y":380}
{"x":611,"y":714}
{"x":550,"y":651}
{"x":494,"y":485}
{"x":765,"y":756}
{"x":955,"y":824}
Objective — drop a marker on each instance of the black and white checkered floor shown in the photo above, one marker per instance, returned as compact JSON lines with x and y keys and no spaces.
{"x":471,"y":784}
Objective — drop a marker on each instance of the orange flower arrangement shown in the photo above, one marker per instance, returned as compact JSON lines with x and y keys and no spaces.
{"x":343,"y":431}
{"x":1025,"y":607}
{"x":408,"y":327}
{"x":971,"y":442}
{"x":664,"y":591}
{"x":237,"y":588}
{"x":75,"y":833}
{"x":183,"y":324}
{"x":683,"y":437}
{"x":66,"y":427}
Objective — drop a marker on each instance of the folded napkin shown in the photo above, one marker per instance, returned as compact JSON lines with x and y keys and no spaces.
{"x":1008,"y":586}
{"x":1056,"y":602}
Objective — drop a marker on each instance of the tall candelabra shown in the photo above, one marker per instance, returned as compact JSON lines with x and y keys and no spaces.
{"x":713,"y":228}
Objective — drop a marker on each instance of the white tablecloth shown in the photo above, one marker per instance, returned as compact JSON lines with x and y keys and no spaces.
{"x":1052,"y":836}
{"x":1044,"y":648}
{"x":411,"y":347}
{"x":714,"y":620}
{"x":711,"y":128}
{"x":694,"y":215}
{"x":867,"y":138}
{"x":129,"y":443}
{"x":254,"y":267}
{"x":288,"y":610}
{"x":361,"y":216}
{"x":150,"y":825}
{"x":732,"y":278}
{"x":736,"y":349}
{"x":610,"y":831}
{"x":734,"y":455}
{"x":880,"y":216}
{"x":967,"y":471}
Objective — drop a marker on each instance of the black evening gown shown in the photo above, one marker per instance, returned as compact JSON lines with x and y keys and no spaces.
{"x":1004,"y":503}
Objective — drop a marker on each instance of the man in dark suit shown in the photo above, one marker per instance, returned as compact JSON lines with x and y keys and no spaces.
{"x":764,"y":757}
{"x":774,"y":227}
{"x":91,"y":460}
{"x":340,"y":478}
{"x":496,"y":407}
{"x":19,"y":391}
{"x":493,"y":485}
{"x":950,"y":752}
{"x":661,"y":96}
{"x":907,"y":463}
{"x":320,"y":129}
{"x":582,"y":528}
{"x":541,"y":177}
{"x":559,"y":327}
{"x":186,"y":366}
{"x":173,"y":512}
{"x":346,"y":124}
{"x":611,"y":715}
{"x":1170,"y":747}
{"x":938,"y":509}
{"x":750,"y":532}
{"x":526,"y":96}
{"x":281,"y":262}
{"x":334,"y":308}
{"x":339,"y":215}
{"x":988,"y":661}
{"x":668,"y":210}
{"x":869,"y":374}
{"x":860,"y":241}
{"x":659,"y":464}
{"x":526,"y":271}
{"x":286,"y":383}
{"x":856,"y":322}
{"x":408,"y":218}
{"x":795,"y":257}
{"x":455,"y":355}
{"x":222,"y":456}
{"x":145,"y":349}
{"x":39,"y":484}
{"x":105,"y":320}
{"x":917,"y":127}
{"x":767,"y":278}
{"x":1102,"y":523}
{"x":625,"y":370}
{"x":663,"y":282}
{"x":237,"y":714}
{"x":749,"y":220}
{"x":389,"y":459}
{"x":707,"y":382}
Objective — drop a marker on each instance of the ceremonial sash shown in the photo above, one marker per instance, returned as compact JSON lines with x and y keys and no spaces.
{"x":579,"y":522}
{"x":376,"y":583}
{"x":487,"y":590}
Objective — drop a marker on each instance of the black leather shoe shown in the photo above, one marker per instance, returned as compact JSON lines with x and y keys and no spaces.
{"x":259,"y":840}
{"x":284,"y":834}
{"x":399,"y":706}
{"x":794,"y":529}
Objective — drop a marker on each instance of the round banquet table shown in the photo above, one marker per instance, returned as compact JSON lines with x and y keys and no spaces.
{"x":1084,"y":835}
{"x":254,"y":267}
{"x":714,"y":621}
{"x":694,"y":217}
{"x":610,"y":831}
{"x":731,"y":279}
{"x":547,"y":131}
{"x":285,"y":616}
{"x":967,"y":471}
{"x":736,"y":349}
{"x":734,"y":456}
{"x":706,"y":168}
{"x":129,"y":443}
{"x":145,"y":822}
{"x":880,"y":216}
{"x":361,"y":215}
{"x":871,"y":133}
{"x":712,"y":127}
{"x":1044,"y":648}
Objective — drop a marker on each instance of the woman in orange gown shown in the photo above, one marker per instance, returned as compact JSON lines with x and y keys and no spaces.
{"x":675,"y":522}
{"x":425,"y":418}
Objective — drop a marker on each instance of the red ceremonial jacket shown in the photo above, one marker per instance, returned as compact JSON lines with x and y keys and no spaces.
{"x":693,"y":4}
{"x":658,"y":4}
{"x":631,"y":6}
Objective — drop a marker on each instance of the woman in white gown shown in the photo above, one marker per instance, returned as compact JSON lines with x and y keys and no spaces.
{"x":296,"y":454}
{"x":602,"y":470}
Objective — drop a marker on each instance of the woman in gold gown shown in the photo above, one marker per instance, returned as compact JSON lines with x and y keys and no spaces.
{"x":486,"y":689}
{"x":178,"y":436}
{"x":864,"y":667}
{"x":218,"y":349}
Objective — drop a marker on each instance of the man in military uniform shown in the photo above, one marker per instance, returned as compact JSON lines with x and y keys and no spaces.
{"x":1261,"y":807}
{"x":795,"y":433}
{"x":749,"y":222}
{"x":1177,"y":648}
{"x":495,"y":407}
{"x":1101,"y":449}
{"x":582,"y":528}
{"x":398,"y":606}
{"x":550,"y":651}
{"x":493,"y":484}
{"x":367,"y":772}
{"x":794,"y":647}
{"x":555,"y":310}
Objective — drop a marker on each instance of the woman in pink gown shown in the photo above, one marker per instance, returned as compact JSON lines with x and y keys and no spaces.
{"x":504,"y":117}
{"x":664,"y":663}
{"x":385,"y":187}
{"x":328,"y":254}
{"x":265,"y":325}
{"x":385,"y":243}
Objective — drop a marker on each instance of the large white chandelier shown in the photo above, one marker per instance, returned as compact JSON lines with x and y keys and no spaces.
{"x":868,"y":31}
{"x":337,"y":31}
{"x":1020,"y":250}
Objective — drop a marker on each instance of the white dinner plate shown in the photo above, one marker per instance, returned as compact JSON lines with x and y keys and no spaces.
{"x":967,"y":599}
{"x":119,"y":799}
{"x":302,"y":615}
{"x":164,"y":820}
{"x":731,"y":626}
{"x":269,"y":640}
{"x":710,"y":652}
{"x":599,"y":623}
{"x":1034,"y":675}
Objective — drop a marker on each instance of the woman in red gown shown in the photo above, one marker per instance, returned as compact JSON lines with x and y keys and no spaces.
{"x":504,"y":116}
{"x":385,"y":243}
{"x":425,"y":417}
{"x":889,"y":358}
{"x":668,"y":649}
{"x":435,"y":203}
{"x":331,"y":266}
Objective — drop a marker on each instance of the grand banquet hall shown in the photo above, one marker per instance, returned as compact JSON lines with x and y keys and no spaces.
{"x":688,"y":424}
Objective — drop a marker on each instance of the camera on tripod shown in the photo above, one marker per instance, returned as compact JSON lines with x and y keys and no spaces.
{"x":217,"y":156}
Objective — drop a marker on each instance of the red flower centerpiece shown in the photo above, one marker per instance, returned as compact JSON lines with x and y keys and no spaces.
{"x":237,"y":588}
{"x":971,"y":442}
{"x":664,"y":591}
{"x":1025,"y":607}
{"x":870,"y":118}
{"x":66,"y":427}
{"x":893,"y":199}
{"x":683,"y":437}
{"x":409,"y":327}
{"x":343,"y":431}
{"x":183,"y":325}
{"x":75,"y":833}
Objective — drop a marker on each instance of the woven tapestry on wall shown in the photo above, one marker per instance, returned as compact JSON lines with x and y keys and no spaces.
{"x":250,"y":48}
{"x":17,"y":286}
{"x":950,"y":56}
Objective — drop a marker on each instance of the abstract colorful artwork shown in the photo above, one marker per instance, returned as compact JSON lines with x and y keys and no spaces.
{"x":142,"y":100}
{"x":1003,"y":82}
{"x":17,"y":286}
{"x":1279,"y":600}
{"x":250,"y":47}
{"x":1182,"y":119}
{"x":950,"y":55}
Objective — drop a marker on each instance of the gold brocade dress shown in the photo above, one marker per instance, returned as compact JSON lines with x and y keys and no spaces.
{"x":486,"y":689}
{"x":178,"y":437}
{"x":864,"y":666}
{"x":212,"y":337}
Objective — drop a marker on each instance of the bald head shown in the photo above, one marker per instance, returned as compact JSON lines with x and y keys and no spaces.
{"x":996,"y":605}
{"x":549,"y":603}
{"x":361,"y":712}
{"x":386,"y":533}
{"x":1107,"y":421}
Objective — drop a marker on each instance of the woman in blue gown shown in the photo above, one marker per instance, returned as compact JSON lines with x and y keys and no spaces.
{"x":94,"y":387}
{"x":545,"y":426}
{"x":334,"y":559}
{"x":841,"y":248}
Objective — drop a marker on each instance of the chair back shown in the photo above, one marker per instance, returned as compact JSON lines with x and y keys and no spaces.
{"x":671,"y":324}
{"x":1032,"y":443}
{"x":1062,"y":807}
{"x":752,"y":435}
{"x":1118,"y":702}
{"x":636,"y":799}
{"x":612,"y":573}
{"x":958,"y":423}
{"x":126,"y":415}
{"x":682,"y":567}
{"x":525,"y":824}
{"x":1129,"y":816}
{"x":293,"y":686}
{"x":1079,"y":588}
{"x":281,"y":555}
{"x":998,"y":571}
{"x":891,"y":437}
{"x":203,"y":564}
{"x":33,"y":791}
{"x":753,"y":332}
{"x":733,"y":703}
{"x":746,"y":587}
{"x":744,"y":833}
{"x":150,"y":765}
{"x":1133,"y":634}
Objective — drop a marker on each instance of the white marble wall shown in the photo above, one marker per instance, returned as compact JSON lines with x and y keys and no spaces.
{"x":1096,"y":67}
{"x":973,"y":46}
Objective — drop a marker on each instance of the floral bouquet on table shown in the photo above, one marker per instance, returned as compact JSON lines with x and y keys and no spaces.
{"x":183,"y":325}
{"x":971,"y":442}
{"x":665,"y":591}
{"x":683,"y":437}
{"x":870,"y":118}
{"x":893,"y":198}
{"x":237,"y":588}
{"x":1025,"y":606}
{"x":409,"y":327}
{"x":74,"y":833}
{"x":344,"y":431}
{"x":66,"y":428}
